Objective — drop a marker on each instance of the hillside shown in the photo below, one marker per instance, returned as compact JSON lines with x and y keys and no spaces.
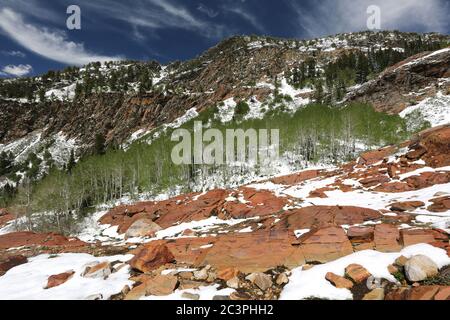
{"x":355,"y":207}
{"x":373,"y":229}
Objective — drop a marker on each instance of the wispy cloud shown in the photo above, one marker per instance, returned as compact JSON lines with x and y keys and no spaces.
{"x":13,"y":53}
{"x":17,"y":70}
{"x":207,"y":10}
{"x":155,"y":15}
{"x":247,"y":16}
{"x":53,"y":45}
{"x":329,"y":16}
{"x":33,"y":8}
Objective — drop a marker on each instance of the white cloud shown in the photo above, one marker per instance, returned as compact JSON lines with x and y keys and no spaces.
{"x":17,"y":70}
{"x":331,"y":17}
{"x":155,"y":14}
{"x":50,"y":44}
{"x":14,"y":53}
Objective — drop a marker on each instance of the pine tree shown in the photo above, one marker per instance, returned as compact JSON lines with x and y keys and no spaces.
{"x":100,"y":144}
{"x":71,"y":163}
{"x":362,"y":69}
{"x":318,"y":93}
{"x":42,"y":97}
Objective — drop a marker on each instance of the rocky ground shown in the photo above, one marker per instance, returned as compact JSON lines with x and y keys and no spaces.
{"x":375,"y":228}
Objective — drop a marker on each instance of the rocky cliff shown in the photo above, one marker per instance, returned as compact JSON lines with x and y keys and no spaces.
{"x":239,"y":68}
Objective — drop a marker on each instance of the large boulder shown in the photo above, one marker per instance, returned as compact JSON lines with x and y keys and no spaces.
{"x":440,"y":204}
{"x":142,"y":228}
{"x":160,"y":285}
{"x":261,"y":280}
{"x":357,"y":273}
{"x":406,"y":205}
{"x":338,"y":281}
{"x":372,"y":157}
{"x":98,"y":270}
{"x":419,"y":268}
{"x":386,"y":238}
{"x":152,"y":256}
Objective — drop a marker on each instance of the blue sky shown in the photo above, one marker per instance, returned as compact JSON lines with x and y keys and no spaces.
{"x":34,"y":37}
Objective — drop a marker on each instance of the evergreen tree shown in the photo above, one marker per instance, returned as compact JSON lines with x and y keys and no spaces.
{"x":318,"y":93}
{"x":71,"y":163}
{"x":100,"y":144}
{"x":41,"y":93}
{"x":6,"y":163}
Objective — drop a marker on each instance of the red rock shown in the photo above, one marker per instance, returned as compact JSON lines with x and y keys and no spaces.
{"x":296,"y":178}
{"x":204,"y":206}
{"x":357,"y":273}
{"x":392,"y":171}
{"x":393,"y":187}
{"x":427,"y":179}
{"x":422,"y":293}
{"x":263,"y":202}
{"x":258,"y":251}
{"x":227,"y":274}
{"x":402,"y":217}
{"x":160,"y":285}
{"x":12,"y":262}
{"x":443,"y":294}
{"x":152,"y":256}
{"x":441,"y":204}
{"x":373,"y":181}
{"x":372,"y":157}
{"x":338,"y":282}
{"x":29,"y":239}
{"x":320,"y":193}
{"x":410,"y":237}
{"x":406,"y":205}
{"x":188,"y":250}
{"x":416,"y":154}
{"x":324,"y":245}
{"x":100,"y":270}
{"x":59,"y":279}
{"x":185,"y":208}
{"x":361,"y":233}
{"x":397,"y":295}
{"x":386,"y":238}
{"x":357,"y":246}
{"x":188,"y":233}
{"x":5,"y":217}
{"x":321,"y":216}
{"x":196,"y":207}
{"x":392,"y":269}
{"x":437,"y":143}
